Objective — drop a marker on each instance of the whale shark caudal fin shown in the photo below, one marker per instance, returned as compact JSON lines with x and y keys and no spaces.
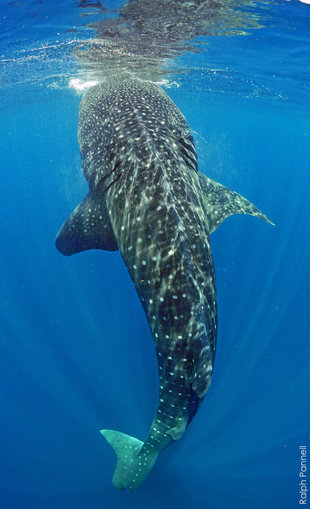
{"x":88,"y":227}
{"x":131,"y":468}
{"x":220,"y":202}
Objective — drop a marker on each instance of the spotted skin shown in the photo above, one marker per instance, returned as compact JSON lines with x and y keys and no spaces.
{"x":147,"y":199}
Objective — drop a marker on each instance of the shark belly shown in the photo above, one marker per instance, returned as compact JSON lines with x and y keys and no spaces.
{"x":148,"y":200}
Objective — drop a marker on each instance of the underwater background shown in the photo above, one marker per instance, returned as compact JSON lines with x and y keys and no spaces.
{"x":76,"y":354}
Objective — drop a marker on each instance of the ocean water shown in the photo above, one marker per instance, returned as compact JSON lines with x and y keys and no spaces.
{"x":76,"y":354}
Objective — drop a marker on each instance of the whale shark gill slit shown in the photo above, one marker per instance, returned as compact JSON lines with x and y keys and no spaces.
{"x":102,"y":181}
{"x":190,"y":161}
{"x":187,"y":145}
{"x":113,"y":182}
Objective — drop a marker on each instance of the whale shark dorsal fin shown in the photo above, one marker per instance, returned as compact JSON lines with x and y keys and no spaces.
{"x":220,"y":202}
{"x":179,"y":429}
{"x":88,"y":227}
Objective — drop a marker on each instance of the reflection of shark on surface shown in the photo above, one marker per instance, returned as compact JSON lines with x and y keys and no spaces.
{"x":147,"y":199}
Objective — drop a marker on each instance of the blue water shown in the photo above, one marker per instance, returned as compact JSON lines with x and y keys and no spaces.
{"x":76,"y":354}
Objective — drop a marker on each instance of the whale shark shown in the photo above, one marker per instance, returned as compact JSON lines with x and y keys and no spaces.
{"x":148,"y":200}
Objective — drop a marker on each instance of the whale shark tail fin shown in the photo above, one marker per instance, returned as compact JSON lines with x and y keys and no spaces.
{"x":133,"y":465}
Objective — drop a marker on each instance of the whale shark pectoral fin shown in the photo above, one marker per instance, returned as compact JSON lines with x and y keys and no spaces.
{"x":88,"y":227}
{"x":131,"y":467}
{"x":221,"y":202}
{"x":179,"y":429}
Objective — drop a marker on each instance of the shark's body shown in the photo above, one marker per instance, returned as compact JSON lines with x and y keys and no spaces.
{"x":148,"y":200}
